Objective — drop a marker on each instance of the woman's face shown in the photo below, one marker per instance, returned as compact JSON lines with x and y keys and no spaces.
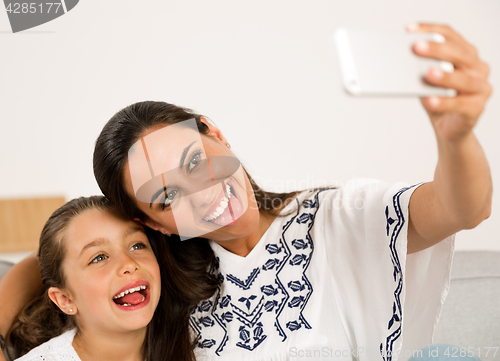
{"x":112,"y":276}
{"x":191,"y":184}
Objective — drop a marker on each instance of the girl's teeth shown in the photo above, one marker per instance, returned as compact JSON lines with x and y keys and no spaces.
{"x":131,"y":290}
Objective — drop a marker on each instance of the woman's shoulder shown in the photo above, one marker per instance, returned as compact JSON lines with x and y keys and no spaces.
{"x":355,"y":191}
{"x":56,"y":349}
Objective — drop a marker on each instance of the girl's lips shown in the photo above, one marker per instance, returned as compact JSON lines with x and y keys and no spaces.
{"x":142,"y":304}
{"x":125,"y":290}
{"x":132,"y":285}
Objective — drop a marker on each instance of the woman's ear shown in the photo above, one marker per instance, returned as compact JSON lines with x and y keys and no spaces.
{"x":214,"y":131}
{"x":152,"y":224}
{"x":63,"y":300}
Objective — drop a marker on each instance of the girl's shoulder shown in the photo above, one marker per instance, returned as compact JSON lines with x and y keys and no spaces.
{"x":59,"y":348}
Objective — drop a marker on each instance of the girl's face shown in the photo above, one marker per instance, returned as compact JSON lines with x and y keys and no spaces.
{"x":190,"y":184}
{"x":112,"y":276}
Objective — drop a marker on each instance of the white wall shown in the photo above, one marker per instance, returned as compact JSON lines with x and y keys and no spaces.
{"x":264,"y":71}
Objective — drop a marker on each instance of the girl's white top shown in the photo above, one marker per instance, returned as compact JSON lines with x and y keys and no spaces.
{"x":331,"y":281}
{"x":59,"y":348}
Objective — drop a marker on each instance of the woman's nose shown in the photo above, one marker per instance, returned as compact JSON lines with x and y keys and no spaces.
{"x":204,"y":196}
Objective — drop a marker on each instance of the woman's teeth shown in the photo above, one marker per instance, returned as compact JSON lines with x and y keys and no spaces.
{"x":131,"y":290}
{"x":222,"y":206}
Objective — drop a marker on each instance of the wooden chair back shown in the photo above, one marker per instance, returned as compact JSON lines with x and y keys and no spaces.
{"x":22,"y":221}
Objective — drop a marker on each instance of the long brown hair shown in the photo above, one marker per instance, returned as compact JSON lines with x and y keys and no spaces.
{"x":42,"y":320}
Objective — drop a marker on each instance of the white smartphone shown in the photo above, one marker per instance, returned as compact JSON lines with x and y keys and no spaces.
{"x":381,"y":63}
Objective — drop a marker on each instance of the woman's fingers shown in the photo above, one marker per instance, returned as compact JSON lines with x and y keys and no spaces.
{"x":462,"y":81}
{"x":470,"y":107}
{"x":459,"y":56}
{"x":455,"y":50}
{"x":448,"y":33}
{"x":453,"y":117}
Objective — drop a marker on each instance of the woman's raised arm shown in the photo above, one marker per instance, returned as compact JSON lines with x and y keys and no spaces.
{"x":460,"y":195}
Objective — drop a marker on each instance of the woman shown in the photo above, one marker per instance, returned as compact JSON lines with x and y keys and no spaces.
{"x":276,"y":301}
{"x":308,"y":272}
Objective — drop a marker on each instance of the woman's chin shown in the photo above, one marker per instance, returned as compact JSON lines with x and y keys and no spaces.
{"x":239,"y":228}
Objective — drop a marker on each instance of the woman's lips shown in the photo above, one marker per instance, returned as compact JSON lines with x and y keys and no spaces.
{"x":231,"y":207}
{"x":219,"y":205}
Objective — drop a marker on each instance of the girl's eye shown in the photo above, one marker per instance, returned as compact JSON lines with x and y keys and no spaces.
{"x":169,"y":197}
{"x":195,"y":160}
{"x":99,"y":258}
{"x":137,"y":246}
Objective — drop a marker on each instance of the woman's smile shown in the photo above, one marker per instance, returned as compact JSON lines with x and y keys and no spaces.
{"x":226,"y":209}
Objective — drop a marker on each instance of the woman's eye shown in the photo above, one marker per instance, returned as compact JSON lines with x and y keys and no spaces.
{"x":169,"y":197}
{"x":195,"y":160}
{"x":137,"y":246}
{"x":99,"y":258}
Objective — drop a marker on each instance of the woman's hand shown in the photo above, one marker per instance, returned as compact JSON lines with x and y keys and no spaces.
{"x":454,"y":117}
{"x":459,"y":197}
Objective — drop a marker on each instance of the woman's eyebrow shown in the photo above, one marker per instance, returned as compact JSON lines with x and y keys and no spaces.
{"x":156,"y":195}
{"x":184,"y":153}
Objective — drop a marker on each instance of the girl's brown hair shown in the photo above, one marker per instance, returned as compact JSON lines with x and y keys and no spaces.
{"x":42,"y":320}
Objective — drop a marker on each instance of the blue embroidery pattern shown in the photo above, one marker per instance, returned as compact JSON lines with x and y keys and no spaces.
{"x":245,"y":285}
{"x":394,"y":324}
{"x":268,"y":288}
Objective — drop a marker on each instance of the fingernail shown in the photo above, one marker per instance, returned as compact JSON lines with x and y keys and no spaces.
{"x":434,"y":102}
{"x":422,"y":45}
{"x":412,"y":27}
{"x":436,"y":73}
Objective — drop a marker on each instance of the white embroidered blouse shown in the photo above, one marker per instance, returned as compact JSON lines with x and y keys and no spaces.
{"x":330,"y":281}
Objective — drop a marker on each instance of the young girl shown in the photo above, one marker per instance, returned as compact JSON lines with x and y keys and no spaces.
{"x":103,"y":287}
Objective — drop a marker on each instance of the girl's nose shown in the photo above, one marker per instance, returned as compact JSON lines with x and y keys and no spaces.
{"x":127,"y":265}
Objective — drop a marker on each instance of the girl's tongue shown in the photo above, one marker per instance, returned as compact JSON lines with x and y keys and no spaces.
{"x":132,"y":298}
